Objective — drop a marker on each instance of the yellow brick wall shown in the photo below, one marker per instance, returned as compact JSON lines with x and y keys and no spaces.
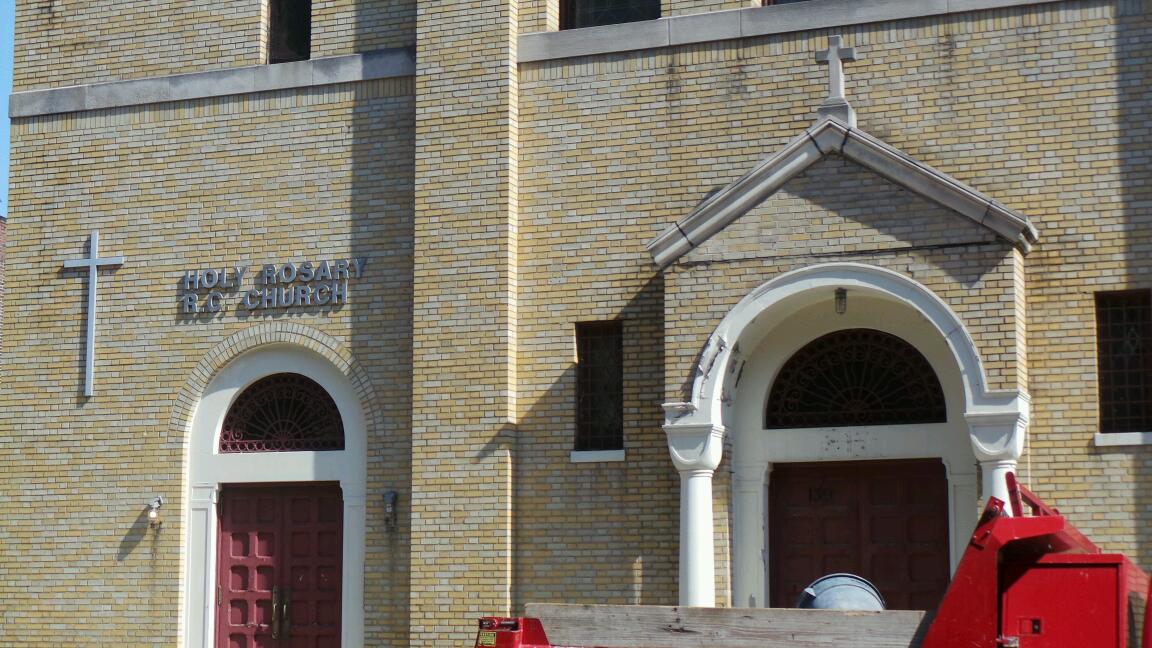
{"x":277,"y":176}
{"x":62,"y":43}
{"x":464,"y":398}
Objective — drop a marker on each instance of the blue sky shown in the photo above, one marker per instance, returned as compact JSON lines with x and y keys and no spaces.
{"x":7,"y":20}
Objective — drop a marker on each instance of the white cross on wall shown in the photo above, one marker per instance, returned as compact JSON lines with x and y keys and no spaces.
{"x":836,"y":105}
{"x":92,"y":264}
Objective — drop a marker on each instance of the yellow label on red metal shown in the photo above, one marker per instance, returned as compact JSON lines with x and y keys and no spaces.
{"x":486,"y":639}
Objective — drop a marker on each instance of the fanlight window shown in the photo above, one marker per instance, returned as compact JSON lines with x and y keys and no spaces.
{"x":855,"y":377}
{"x":282,"y":413}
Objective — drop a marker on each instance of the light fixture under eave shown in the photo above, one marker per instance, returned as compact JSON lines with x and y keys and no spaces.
{"x":154,"y":519}
{"x":841,"y":301}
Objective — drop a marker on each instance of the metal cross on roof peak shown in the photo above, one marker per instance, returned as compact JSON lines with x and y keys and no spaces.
{"x":836,"y":105}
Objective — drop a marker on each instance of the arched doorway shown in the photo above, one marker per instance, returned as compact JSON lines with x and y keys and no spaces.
{"x":279,"y":548}
{"x":835,"y":419}
{"x":884,"y":520}
{"x":276,"y":514}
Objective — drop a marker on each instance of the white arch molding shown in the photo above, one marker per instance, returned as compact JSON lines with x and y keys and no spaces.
{"x":728,"y":394}
{"x":208,"y":470}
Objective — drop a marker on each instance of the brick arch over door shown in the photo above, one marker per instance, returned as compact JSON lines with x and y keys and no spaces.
{"x":264,"y":335}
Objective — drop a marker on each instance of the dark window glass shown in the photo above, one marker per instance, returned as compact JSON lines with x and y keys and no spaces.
{"x":575,"y":14}
{"x":289,"y":30}
{"x":1124,"y":360}
{"x":599,"y":386}
{"x":855,"y":377}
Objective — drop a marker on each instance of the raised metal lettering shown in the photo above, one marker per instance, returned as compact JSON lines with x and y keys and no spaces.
{"x":324,"y":273}
{"x":251,"y":299}
{"x":287,"y":273}
{"x":188,"y":304}
{"x":307,"y":271}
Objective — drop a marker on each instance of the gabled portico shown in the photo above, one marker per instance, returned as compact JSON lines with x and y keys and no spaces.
{"x":988,"y":416}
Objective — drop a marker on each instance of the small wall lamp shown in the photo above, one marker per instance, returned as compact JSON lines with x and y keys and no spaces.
{"x":154,"y":519}
{"x":391,"y":504}
{"x":841,"y":301}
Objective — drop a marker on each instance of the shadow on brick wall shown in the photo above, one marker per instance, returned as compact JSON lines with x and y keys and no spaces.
{"x":599,"y":532}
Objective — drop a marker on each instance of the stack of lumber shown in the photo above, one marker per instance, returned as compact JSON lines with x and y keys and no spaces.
{"x":645,"y":626}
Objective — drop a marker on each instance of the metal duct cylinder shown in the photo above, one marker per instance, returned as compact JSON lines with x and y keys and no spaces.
{"x":841,"y":592}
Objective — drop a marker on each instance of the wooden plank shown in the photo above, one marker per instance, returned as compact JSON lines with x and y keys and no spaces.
{"x":647,"y":626}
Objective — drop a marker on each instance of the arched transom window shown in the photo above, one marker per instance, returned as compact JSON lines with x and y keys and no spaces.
{"x":855,"y":377}
{"x":282,"y":413}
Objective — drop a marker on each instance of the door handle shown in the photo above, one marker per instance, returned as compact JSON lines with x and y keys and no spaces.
{"x":276,"y":605}
{"x":285,"y":615}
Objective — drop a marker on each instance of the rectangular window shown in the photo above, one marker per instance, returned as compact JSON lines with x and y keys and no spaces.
{"x":575,"y":14}
{"x":1124,"y":360}
{"x":289,"y":30}
{"x":599,"y":386}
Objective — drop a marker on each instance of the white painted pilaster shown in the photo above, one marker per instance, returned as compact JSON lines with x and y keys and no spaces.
{"x":749,"y":511}
{"x":201,"y":553}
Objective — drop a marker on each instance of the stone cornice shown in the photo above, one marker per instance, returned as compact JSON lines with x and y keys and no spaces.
{"x":381,"y":64}
{"x":826,"y":137}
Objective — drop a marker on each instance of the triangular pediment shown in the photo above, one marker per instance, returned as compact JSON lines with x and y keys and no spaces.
{"x":830,"y":137}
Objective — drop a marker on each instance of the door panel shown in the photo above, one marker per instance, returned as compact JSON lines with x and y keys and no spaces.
{"x":279,"y":566}
{"x":886,"y":521}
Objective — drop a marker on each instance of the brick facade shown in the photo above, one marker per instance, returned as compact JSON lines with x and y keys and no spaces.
{"x":498,"y":202}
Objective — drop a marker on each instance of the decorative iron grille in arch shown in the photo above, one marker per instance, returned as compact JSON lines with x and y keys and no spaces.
{"x":282,"y":413}
{"x":855,"y":377}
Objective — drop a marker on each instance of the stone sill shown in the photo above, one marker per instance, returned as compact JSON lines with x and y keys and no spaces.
{"x":738,"y":23}
{"x":1117,"y":439}
{"x":597,"y":456}
{"x":382,"y":64}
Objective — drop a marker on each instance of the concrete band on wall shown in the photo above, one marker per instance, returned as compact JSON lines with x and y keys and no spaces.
{"x":543,"y":46}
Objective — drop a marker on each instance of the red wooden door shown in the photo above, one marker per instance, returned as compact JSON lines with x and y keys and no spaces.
{"x":886,"y":521}
{"x":279,"y":566}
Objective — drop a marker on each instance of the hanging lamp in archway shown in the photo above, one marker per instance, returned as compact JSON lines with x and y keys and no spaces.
{"x":855,"y":377}
{"x":284,"y":412}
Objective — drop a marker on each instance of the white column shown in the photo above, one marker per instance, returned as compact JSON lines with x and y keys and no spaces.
{"x":697,"y":547}
{"x":696,"y":451}
{"x":994,"y":482}
{"x":997,"y":438}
